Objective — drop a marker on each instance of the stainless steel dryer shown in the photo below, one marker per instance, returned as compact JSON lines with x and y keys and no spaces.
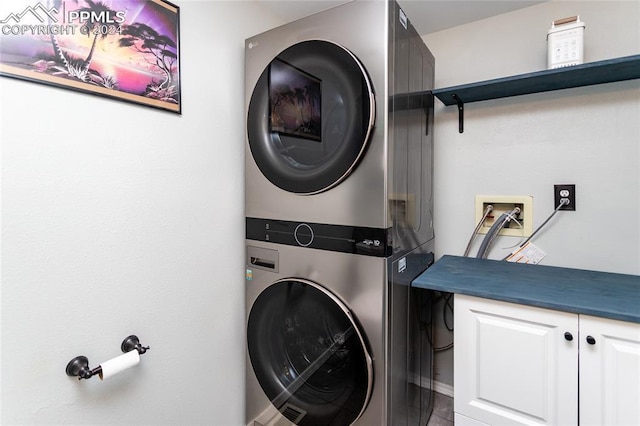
{"x":339,"y":118}
{"x":328,"y":342}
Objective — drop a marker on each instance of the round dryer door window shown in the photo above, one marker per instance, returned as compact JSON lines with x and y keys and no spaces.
{"x":308,"y":354}
{"x":310,"y":117}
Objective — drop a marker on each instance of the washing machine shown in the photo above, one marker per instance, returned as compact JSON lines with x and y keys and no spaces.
{"x":338,"y":206}
{"x":328,"y":341}
{"x":339,"y":119}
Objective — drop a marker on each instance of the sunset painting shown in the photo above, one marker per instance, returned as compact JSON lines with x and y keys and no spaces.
{"x":123,"y":49}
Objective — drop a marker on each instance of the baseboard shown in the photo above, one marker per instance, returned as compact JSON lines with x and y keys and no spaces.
{"x":443,"y":388}
{"x":439,"y":387}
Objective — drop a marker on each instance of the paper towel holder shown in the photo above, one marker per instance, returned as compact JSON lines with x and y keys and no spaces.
{"x":79,"y":366}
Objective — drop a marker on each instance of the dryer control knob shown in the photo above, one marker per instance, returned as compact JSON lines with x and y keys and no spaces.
{"x":303,"y":235}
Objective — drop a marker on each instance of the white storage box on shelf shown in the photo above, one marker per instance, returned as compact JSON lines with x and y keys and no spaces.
{"x":565,"y":43}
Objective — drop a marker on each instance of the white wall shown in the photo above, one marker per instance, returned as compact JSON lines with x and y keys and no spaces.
{"x":524,"y":145}
{"x":119,"y":219}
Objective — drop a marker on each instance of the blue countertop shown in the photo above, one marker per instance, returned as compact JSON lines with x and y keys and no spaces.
{"x":601,"y":294}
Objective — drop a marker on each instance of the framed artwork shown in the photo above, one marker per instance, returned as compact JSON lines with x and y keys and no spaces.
{"x":122,"y":49}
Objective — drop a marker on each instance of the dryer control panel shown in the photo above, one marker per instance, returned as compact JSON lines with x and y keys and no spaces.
{"x":340,"y":238}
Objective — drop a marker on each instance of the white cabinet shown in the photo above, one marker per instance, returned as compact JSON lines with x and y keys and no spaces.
{"x":609,"y":372}
{"x":517,"y":364}
{"x":512,"y":363}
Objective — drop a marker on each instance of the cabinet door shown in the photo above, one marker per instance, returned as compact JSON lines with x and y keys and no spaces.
{"x":513,"y":363}
{"x":609,"y":372}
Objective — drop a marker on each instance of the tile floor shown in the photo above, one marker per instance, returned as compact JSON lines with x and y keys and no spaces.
{"x":442,"y":411}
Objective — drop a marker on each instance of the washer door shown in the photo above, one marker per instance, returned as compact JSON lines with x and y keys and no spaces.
{"x":310,"y":117}
{"x":308,"y":354}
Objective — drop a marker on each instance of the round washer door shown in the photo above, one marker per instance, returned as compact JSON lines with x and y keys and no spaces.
{"x":308,"y":354}
{"x":310,"y":117}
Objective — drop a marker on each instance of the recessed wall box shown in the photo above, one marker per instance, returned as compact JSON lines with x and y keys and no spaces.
{"x":503,"y":204}
{"x":565,"y":43}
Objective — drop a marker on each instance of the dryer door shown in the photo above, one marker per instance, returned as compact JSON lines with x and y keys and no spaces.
{"x":310,"y":117}
{"x":308,"y":354}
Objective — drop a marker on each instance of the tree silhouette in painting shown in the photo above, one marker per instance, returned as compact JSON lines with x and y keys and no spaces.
{"x":162,"y":49}
{"x":66,"y":64}
{"x":95,"y":9}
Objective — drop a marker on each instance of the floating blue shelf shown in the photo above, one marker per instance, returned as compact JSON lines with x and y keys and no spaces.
{"x":607,"y":71}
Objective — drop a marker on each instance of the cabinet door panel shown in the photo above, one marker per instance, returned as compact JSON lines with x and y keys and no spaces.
{"x":609,"y":372}
{"x":513,"y":364}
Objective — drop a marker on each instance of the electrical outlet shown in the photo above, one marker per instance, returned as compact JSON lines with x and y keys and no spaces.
{"x":502,"y":204}
{"x":567,"y":192}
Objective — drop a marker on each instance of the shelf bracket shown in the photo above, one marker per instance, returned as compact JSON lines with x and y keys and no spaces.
{"x":460,"y":113}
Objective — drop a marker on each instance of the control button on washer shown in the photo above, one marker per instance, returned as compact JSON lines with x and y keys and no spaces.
{"x":303,"y":235}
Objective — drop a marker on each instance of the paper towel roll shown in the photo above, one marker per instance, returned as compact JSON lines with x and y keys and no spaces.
{"x":120,"y":363}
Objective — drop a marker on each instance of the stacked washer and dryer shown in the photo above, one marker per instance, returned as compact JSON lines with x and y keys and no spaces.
{"x":339,"y":179}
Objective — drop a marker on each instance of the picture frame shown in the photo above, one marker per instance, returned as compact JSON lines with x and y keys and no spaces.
{"x":127,"y":50}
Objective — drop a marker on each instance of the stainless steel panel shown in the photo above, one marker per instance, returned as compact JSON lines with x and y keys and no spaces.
{"x":395,"y":173}
{"x":380,"y":302}
{"x":411,"y":74}
{"x":359,"y":281}
{"x":360,"y":199}
{"x":408,"y":360}
{"x":391,"y":187}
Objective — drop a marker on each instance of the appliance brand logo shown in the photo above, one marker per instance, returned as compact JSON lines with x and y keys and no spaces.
{"x":40,"y":20}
